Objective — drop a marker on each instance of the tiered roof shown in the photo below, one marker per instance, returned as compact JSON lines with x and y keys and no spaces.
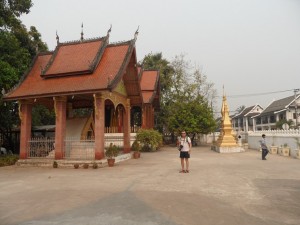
{"x":149,"y":85}
{"x":85,"y":67}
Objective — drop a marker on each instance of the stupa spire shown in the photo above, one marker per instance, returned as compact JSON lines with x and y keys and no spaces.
{"x":81,"y":37}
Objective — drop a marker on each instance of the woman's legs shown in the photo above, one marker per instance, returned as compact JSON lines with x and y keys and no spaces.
{"x":187,"y":164}
{"x":182,"y":164}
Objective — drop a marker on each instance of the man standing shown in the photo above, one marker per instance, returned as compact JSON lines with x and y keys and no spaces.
{"x":184,"y":144}
{"x":264,"y":147}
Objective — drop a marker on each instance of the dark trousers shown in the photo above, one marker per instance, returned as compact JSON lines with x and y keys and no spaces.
{"x":264,"y":153}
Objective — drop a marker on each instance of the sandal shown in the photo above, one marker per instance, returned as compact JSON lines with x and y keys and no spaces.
{"x":187,"y":171}
{"x":182,"y":171}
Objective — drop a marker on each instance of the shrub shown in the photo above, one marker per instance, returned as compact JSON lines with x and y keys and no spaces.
{"x":150,"y":139}
{"x":8,"y":160}
{"x":112,"y":151}
{"x":135,"y":146}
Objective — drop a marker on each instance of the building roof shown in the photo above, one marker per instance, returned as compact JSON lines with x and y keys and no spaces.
{"x":279,"y":105}
{"x":247,"y":112}
{"x":149,"y":84}
{"x":74,"y":58}
{"x":78,"y":67}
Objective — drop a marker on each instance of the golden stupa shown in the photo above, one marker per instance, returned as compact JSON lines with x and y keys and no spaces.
{"x":226,"y":142}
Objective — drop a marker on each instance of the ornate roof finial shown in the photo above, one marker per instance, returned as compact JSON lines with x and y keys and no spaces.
{"x":136,"y":33}
{"x":223,"y":90}
{"x":81,"y":38}
{"x":57,"y":38}
{"x":109,"y":30}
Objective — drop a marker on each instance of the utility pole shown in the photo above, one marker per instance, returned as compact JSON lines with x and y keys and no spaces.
{"x":296,"y":111}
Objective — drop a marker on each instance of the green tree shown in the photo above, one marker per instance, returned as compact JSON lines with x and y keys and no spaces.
{"x":283,"y":121}
{"x":157,"y":62}
{"x":18,"y":47}
{"x":186,"y":98}
{"x":240,"y":109}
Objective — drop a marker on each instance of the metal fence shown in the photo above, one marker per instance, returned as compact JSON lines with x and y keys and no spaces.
{"x":74,"y":148}
{"x":79,"y":149}
{"x":85,"y":149}
{"x":41,"y":148}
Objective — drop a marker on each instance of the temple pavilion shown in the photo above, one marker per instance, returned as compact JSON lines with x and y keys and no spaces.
{"x":89,"y":73}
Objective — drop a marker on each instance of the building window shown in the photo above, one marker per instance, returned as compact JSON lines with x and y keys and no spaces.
{"x":258,"y":120}
{"x":272,"y":119}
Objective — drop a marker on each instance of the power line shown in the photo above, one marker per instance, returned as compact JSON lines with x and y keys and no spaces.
{"x":257,"y":94}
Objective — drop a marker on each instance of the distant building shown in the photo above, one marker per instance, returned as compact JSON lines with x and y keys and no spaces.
{"x":243,"y":121}
{"x":282,"y":109}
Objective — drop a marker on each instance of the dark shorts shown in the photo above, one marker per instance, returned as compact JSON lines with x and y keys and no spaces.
{"x":184,"y":155}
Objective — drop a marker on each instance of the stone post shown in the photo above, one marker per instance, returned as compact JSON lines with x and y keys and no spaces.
{"x":60,"y":107}
{"x":25,"y":109}
{"x":99,"y":103}
{"x":126,"y":123}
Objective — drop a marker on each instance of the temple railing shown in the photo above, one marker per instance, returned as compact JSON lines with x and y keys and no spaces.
{"x":79,"y":149}
{"x":133,"y":129}
{"x":75,"y":148}
{"x":40,"y":147}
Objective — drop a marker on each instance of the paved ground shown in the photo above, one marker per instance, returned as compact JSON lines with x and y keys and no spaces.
{"x":230,"y":189}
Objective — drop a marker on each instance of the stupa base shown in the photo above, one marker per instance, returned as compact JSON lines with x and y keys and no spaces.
{"x":224,"y":149}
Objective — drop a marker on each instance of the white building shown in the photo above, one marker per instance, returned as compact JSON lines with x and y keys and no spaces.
{"x":283,"y":109}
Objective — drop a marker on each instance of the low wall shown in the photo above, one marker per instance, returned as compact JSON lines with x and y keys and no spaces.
{"x":276,"y":138}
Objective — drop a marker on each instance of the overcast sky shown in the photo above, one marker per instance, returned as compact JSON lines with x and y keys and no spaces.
{"x":249,"y":46}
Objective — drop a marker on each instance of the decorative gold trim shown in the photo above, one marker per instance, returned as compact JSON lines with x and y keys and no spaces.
{"x":116,"y":98}
{"x":55,"y":110}
{"x":95,"y":106}
{"x":89,"y":124}
{"x":20,"y":110}
{"x":58,"y":99}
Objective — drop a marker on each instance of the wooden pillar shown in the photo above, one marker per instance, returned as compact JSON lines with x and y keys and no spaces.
{"x":143,"y":110}
{"x":126,"y":131}
{"x":99,"y":104}
{"x":152,"y":117}
{"x":25,"y":109}
{"x":60,"y":106}
{"x":148,"y":116}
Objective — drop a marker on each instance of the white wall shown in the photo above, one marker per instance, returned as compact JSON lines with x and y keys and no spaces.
{"x":276,"y":138}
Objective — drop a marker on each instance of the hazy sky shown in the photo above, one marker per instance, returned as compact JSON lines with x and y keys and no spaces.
{"x":249,"y":46}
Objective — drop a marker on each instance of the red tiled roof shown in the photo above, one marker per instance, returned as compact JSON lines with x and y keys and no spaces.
{"x":72,"y":58}
{"x":109,"y":66}
{"x":148,"y":83}
{"x":148,"y":80}
{"x":147,"y":96}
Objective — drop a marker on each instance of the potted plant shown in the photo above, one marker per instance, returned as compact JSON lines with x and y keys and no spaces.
{"x":135,"y":147}
{"x":111,"y":153}
{"x":95,"y":165}
{"x":297,"y":150}
{"x":85,"y":165}
{"x":76,"y":166}
{"x":285,"y":150}
{"x":55,"y":164}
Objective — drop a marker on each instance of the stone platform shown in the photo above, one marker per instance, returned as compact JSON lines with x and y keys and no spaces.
{"x":225,"y":149}
{"x":46,"y":162}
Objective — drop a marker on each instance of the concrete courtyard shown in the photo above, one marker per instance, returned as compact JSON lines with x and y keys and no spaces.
{"x":229,"y":189}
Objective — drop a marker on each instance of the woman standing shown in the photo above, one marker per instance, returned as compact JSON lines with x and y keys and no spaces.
{"x":184,"y":144}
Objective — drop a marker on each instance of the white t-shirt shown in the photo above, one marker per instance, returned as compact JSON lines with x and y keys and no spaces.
{"x":185,"y":143}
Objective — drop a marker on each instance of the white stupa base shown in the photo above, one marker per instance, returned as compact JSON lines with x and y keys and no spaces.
{"x":225,"y":149}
